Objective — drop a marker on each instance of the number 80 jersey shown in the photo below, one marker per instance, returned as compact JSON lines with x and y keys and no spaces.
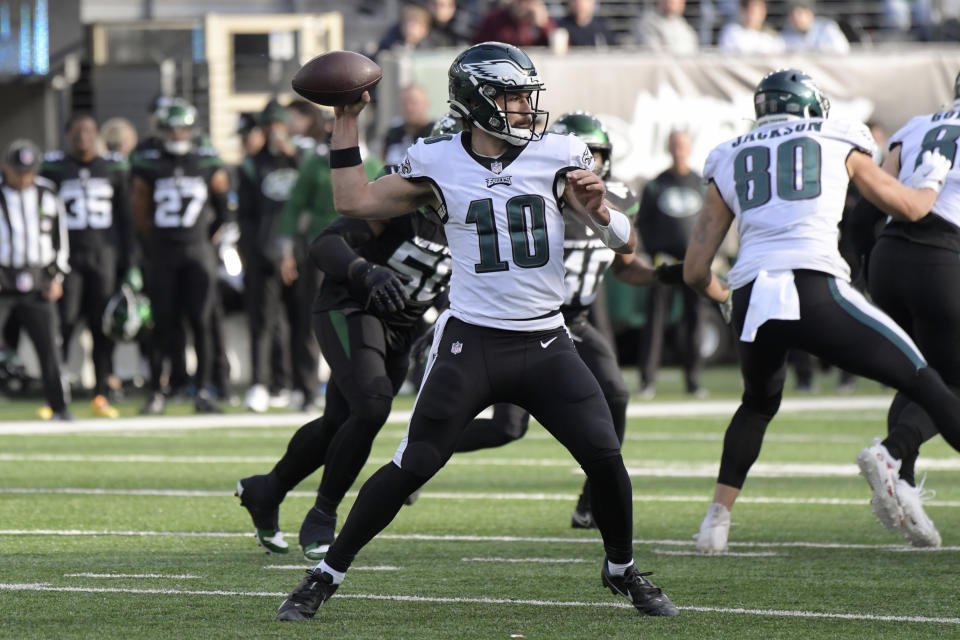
{"x":786,"y":184}
{"x":503,"y":223}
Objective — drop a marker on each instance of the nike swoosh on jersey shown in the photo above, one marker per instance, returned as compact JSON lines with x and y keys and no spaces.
{"x":546,"y":343}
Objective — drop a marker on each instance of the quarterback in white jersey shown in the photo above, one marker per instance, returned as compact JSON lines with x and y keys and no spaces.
{"x":785,"y":183}
{"x":914,"y":275}
{"x":503,"y":223}
{"x":501,"y":187}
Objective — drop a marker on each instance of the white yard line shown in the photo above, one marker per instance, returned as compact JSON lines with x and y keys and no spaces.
{"x":304,"y":567}
{"x":497,"y":601}
{"x":452,"y":495}
{"x":182,"y":576}
{"x":531,"y":560}
{"x":252,"y":421}
{"x":732,"y":554}
{"x":406,"y":537}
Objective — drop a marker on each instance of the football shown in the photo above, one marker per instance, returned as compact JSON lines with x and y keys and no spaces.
{"x":336,"y":78}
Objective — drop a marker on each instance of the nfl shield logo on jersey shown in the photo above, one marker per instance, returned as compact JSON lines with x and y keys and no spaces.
{"x":496,"y":167}
{"x":456,"y":347}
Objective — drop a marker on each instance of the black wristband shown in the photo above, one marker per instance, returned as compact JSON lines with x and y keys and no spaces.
{"x":343,"y":158}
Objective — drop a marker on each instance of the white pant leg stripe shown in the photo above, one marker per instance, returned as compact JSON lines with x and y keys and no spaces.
{"x":438,"y":328}
{"x":874,"y":317}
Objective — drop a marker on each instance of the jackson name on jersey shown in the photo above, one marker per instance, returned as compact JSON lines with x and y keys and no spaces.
{"x":504,"y":225}
{"x":786,"y":184}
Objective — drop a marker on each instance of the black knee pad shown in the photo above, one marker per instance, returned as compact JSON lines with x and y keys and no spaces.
{"x":422,"y":459}
{"x":374,"y":406}
{"x":766,"y":406}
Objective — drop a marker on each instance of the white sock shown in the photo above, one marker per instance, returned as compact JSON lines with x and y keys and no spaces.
{"x":618,"y":569}
{"x":337,"y":575}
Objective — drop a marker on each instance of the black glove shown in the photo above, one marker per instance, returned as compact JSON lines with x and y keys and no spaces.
{"x":670,"y":274}
{"x":383,"y":287}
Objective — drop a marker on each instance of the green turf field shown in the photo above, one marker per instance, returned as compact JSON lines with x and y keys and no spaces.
{"x":136,"y":534}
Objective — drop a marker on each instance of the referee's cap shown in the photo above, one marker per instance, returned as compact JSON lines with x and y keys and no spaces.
{"x":22,"y":155}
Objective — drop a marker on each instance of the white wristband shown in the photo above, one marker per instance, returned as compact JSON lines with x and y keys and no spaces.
{"x":617,"y":232}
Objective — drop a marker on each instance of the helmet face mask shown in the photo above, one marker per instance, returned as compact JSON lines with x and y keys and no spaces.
{"x":589,"y":129}
{"x":789,"y":93}
{"x":481,"y":81}
{"x":176,"y":122}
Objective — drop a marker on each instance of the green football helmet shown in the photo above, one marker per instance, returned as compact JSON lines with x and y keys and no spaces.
{"x":127,"y":315}
{"x":177,"y":114}
{"x":789,"y":92}
{"x":447,"y":124}
{"x":591,"y":131}
{"x":485,"y":71}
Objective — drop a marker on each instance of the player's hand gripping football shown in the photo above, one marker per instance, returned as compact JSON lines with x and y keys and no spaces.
{"x":588,"y":190}
{"x":384,"y":287}
{"x":353,"y":108}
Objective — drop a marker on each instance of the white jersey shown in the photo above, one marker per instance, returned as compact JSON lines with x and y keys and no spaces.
{"x":503,"y":224}
{"x":939,"y":131}
{"x":786,"y":183}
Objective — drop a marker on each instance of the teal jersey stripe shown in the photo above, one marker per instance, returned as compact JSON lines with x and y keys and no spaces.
{"x":873,"y":323}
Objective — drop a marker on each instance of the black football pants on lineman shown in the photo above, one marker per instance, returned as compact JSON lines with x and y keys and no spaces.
{"x":38,"y":317}
{"x":365,"y":375}
{"x":838,"y":325}
{"x":471,"y":368}
{"x":86,"y":291}
{"x":918,"y":285}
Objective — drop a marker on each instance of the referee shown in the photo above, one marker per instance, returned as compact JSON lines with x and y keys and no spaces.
{"x":33,"y":261}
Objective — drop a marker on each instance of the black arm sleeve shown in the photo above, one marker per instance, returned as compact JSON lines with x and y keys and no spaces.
{"x":334,"y":249}
{"x":858,"y":232}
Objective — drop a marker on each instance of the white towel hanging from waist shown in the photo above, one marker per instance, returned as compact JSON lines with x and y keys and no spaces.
{"x":774,"y":297}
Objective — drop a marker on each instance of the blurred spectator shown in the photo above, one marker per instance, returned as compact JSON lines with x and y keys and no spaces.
{"x":448,"y":26}
{"x":665,"y":29}
{"x":251,"y":135}
{"x":309,"y":125}
{"x":522,"y":23}
{"x":409,"y":33}
{"x":266,"y":180}
{"x":668,"y":211}
{"x":584,"y":27}
{"x":415,"y":123}
{"x":750,"y":35}
{"x":119,"y":136}
{"x":805,"y":31}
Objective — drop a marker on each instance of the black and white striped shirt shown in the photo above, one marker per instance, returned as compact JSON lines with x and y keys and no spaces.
{"x":33,"y":233}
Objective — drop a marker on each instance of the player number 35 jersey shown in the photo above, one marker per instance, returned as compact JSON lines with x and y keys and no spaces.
{"x":786,"y":184}
{"x":504,"y":226}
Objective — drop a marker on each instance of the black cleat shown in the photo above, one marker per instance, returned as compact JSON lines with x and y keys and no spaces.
{"x":582,"y":519}
{"x":315,"y":589}
{"x":203,"y":404}
{"x":317,"y":533}
{"x":264,"y":510}
{"x":648,"y":598}
{"x":155,"y":406}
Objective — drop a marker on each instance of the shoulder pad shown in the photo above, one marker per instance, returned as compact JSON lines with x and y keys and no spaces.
{"x":855,"y":133}
{"x":54,"y":156}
